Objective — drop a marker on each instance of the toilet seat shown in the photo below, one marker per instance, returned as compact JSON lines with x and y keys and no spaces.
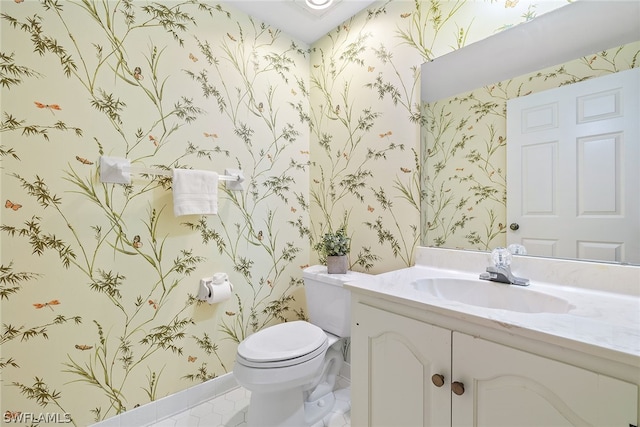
{"x":285,"y":344}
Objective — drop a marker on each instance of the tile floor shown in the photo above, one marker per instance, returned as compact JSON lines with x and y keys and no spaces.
{"x":230,"y":409}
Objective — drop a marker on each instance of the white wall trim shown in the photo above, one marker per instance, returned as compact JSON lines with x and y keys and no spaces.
{"x":181,"y":401}
{"x":173,"y":404}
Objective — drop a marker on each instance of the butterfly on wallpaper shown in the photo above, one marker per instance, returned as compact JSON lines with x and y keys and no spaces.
{"x":193,"y":57}
{"x":293,"y":210}
{"x":405,"y":170}
{"x":153,"y":304}
{"x":304,"y":266}
{"x":83,"y":347}
{"x":382,"y":135}
{"x":370,"y":208}
{"x":293,"y":92}
{"x":260,"y":107}
{"x":370,"y":69}
{"x":136,"y":242}
{"x":154,"y":140}
{"x":210,"y":135}
{"x":50,"y":107}
{"x":192,"y":359}
{"x":10,"y":205}
{"x":304,"y":151}
{"x":260,"y":235}
{"x":511,"y":3}
{"x":137,"y":74}
{"x":47,"y":304}
{"x":405,"y":15}
{"x":84,"y":161}
{"x":230,"y":313}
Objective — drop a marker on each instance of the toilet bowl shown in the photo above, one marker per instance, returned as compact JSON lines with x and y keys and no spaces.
{"x":291,"y":368}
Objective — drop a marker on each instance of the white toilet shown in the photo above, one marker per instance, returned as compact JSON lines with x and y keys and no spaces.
{"x":291,"y":368}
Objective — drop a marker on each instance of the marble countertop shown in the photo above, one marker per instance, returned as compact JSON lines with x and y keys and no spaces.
{"x":604,"y":324}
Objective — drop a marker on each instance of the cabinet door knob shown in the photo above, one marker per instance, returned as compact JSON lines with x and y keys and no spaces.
{"x":457,"y":387}
{"x":437,"y":380}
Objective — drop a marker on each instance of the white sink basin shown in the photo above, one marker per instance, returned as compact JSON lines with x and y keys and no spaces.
{"x":494,"y":295}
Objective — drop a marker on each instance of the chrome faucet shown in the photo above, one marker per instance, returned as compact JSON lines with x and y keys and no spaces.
{"x":501,"y":270}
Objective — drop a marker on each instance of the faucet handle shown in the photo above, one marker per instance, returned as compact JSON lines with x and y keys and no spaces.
{"x":501,"y":257}
{"x":517,"y":249}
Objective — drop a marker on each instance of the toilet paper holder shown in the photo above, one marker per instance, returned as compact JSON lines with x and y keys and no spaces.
{"x":215,"y":289}
{"x":204,"y":291}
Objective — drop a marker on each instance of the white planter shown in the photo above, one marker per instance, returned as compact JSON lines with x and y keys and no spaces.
{"x":337,"y":264}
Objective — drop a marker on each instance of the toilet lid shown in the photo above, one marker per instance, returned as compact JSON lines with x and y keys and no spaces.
{"x":284,"y":341}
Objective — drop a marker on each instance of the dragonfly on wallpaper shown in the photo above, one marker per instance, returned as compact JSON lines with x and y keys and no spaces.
{"x":84,"y":161}
{"x":47,"y":304}
{"x":50,"y":107}
{"x":83,"y":347}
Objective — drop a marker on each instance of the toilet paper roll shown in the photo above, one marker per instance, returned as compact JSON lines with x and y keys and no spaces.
{"x":218,"y":292}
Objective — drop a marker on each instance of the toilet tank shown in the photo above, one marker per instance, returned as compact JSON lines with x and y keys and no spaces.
{"x":328,"y":301}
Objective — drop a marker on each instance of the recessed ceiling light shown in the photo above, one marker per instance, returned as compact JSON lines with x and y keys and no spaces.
{"x":319,"y":4}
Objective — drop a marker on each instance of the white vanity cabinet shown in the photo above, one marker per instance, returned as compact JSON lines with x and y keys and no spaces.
{"x":393,"y":359}
{"x":509,"y":387}
{"x":399,"y":360}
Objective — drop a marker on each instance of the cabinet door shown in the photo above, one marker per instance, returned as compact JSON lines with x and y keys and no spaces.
{"x":393,"y":359}
{"x":508,"y":387}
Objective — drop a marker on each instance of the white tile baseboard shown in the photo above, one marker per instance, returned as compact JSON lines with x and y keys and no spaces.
{"x":172,"y":404}
{"x":181,"y":401}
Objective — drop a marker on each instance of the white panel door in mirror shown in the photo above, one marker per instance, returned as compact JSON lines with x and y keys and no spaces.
{"x":590,"y":207}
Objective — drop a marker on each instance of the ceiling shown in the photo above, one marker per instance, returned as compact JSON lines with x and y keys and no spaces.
{"x":294,"y":18}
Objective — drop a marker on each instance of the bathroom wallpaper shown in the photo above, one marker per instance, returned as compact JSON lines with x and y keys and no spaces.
{"x":465,"y":205}
{"x":98,"y":281}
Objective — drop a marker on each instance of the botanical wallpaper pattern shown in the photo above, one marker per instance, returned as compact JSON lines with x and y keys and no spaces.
{"x":465,"y":144}
{"x":98,"y":281}
{"x":366,"y":116}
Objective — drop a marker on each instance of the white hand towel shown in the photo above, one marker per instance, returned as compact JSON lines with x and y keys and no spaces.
{"x":195,"y":192}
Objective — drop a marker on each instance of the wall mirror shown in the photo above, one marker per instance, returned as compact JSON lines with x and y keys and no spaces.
{"x":465,"y":93}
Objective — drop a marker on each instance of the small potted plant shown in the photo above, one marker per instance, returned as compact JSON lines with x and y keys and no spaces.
{"x":335,"y":247}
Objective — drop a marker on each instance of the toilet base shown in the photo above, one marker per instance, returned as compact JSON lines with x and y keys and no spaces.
{"x":316,"y":410}
{"x":287,"y":409}
{"x":283,"y":409}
